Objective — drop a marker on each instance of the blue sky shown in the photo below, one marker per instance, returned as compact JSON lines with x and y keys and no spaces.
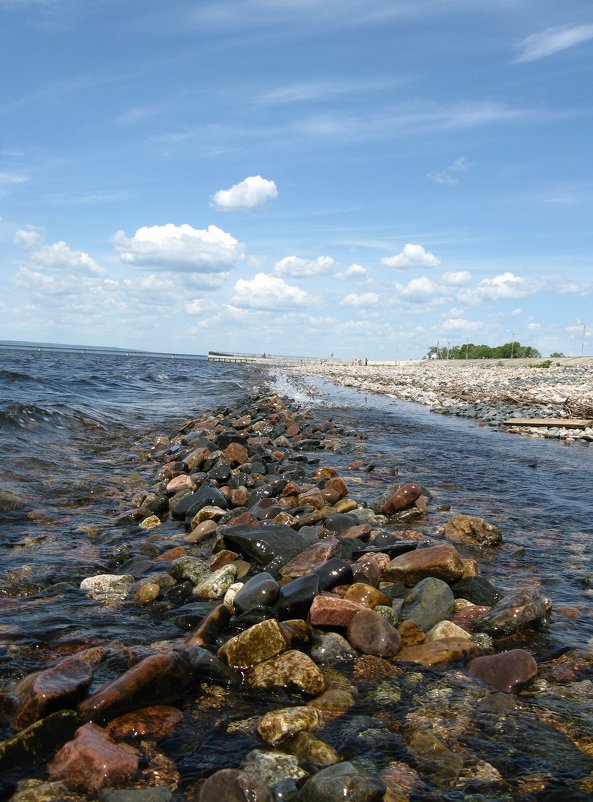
{"x":357,"y":177}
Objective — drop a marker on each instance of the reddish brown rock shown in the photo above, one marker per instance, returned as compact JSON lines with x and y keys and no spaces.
{"x":202,"y":530}
{"x":370,"y":633}
{"x":180,"y":483}
{"x":60,"y":687}
{"x":331,"y":611}
{"x":150,"y":722}
{"x":93,"y":761}
{"x":438,"y":653}
{"x":245,"y":519}
{"x":404,"y":497}
{"x":469,"y":616}
{"x":442,"y":562}
{"x":221,"y":558}
{"x":507,"y":671}
{"x":173,"y":554}
{"x":160,"y":677}
{"x":313,"y":498}
{"x":357,"y":532}
{"x":291,"y":489}
{"x":211,"y":626}
{"x":239,"y":496}
{"x":311,"y":557}
{"x":235,"y":454}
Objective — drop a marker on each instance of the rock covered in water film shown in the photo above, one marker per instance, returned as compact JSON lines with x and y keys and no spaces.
{"x":254,"y":645}
{"x":472,"y":530}
{"x":58,"y":688}
{"x":343,"y":781}
{"x":507,"y":671}
{"x":443,"y":562}
{"x":519,"y":610}
{"x":108,"y":587}
{"x":429,"y":602}
{"x":93,"y":760}
{"x":234,"y":785}
{"x":260,"y":590}
{"x":159,"y":678}
{"x":404,"y":497}
{"x":370,"y":633}
{"x":278,"y":725}
{"x":292,"y":669}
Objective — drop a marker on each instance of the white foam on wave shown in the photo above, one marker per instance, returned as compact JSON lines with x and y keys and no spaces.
{"x":294,"y":387}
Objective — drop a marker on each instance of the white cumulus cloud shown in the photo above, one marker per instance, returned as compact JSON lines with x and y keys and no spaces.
{"x":296,"y":267}
{"x":503,"y":287}
{"x":411,"y":256}
{"x":460,"y":324}
{"x":419,"y":289}
{"x":27,"y":237}
{"x":354,"y":271}
{"x":179,"y":248}
{"x":194,"y":307}
{"x":456,"y":278}
{"x":267,"y":292}
{"x":251,"y":193}
{"x":61,"y":257}
{"x":553,"y":40}
{"x":361,"y":299}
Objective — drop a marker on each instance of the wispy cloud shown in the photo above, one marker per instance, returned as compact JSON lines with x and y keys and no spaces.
{"x":450,"y":176}
{"x":553,"y":40}
{"x":317,"y":91}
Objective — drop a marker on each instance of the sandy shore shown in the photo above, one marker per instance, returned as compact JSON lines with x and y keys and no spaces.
{"x":491,"y":390}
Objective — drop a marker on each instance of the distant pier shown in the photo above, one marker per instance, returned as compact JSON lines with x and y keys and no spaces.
{"x":278,"y":359}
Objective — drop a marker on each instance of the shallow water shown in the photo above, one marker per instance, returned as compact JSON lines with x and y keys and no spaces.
{"x":76,"y":434}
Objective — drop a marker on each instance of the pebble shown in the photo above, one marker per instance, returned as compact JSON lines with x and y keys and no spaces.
{"x":507,"y":671}
{"x":108,"y":587}
{"x":93,"y":761}
{"x":234,"y":785}
{"x":442,"y":562}
{"x":370,"y":633}
{"x":429,"y":602}
{"x":343,"y":781}
{"x":278,"y":725}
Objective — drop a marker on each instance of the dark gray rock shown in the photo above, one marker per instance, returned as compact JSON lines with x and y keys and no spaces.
{"x":264,"y":543}
{"x":343,"y":781}
{"x":429,"y":602}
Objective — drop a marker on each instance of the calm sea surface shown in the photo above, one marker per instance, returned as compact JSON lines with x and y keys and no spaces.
{"x":72,"y":429}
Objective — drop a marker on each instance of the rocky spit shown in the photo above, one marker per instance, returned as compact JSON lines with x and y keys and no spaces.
{"x":488,"y":390}
{"x":352,"y":650}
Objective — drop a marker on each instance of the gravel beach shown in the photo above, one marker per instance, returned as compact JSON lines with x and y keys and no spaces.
{"x":491,"y":391}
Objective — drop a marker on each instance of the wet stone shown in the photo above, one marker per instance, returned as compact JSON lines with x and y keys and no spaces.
{"x":370,"y":633}
{"x":254,"y":645}
{"x":332,"y":611}
{"x":38,"y":740}
{"x":429,"y":602}
{"x":265,"y":543}
{"x":404,"y":497}
{"x":234,"y":785}
{"x":477,"y":590}
{"x":278,"y":725}
{"x":135,"y":795}
{"x":472,"y":530}
{"x":442,"y":562}
{"x":292,"y":669}
{"x":519,"y":610}
{"x":158,"y":678}
{"x":108,"y":587}
{"x":272,"y":767}
{"x":438,"y":653}
{"x":445,"y":630}
{"x":150,"y":722}
{"x":93,"y":761}
{"x":366,"y":594}
{"x":507,"y":671}
{"x":295,"y":598}
{"x":60,"y":687}
{"x":343,"y":781}
{"x":311,"y":558}
{"x":190,"y":568}
{"x":330,"y":648}
{"x":217,"y":584}
{"x":261,"y":589}
{"x":332,"y":573}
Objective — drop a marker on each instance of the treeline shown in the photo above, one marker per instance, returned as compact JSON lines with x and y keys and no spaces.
{"x":512,"y":350}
